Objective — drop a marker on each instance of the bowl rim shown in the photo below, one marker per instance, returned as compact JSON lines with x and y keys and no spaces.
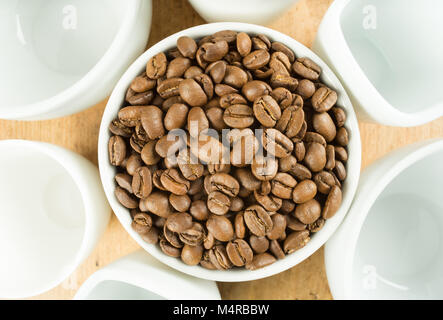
{"x":368,"y":99}
{"x":107,"y":172}
{"x":73,"y":164}
{"x":107,"y":60}
{"x":340,"y":249}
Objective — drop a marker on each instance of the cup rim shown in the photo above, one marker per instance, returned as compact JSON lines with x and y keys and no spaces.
{"x":62,"y":98}
{"x":107,"y":172}
{"x":68,"y":161}
{"x":372,"y":104}
{"x":340,"y":249}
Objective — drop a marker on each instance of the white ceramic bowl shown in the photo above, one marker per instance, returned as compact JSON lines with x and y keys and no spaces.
{"x":139,"y":276}
{"x":52,"y":212}
{"x":390,"y":246}
{"x":388,"y":56}
{"x":353,"y":166}
{"x":250,"y":11}
{"x":60,"y":57}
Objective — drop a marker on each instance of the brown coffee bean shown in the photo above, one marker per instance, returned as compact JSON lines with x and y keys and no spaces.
{"x":125,"y":198}
{"x":304,"y":191}
{"x":151,"y":236}
{"x":276,"y":250}
{"x":267,"y":111}
{"x":258,"y":221}
{"x":317,"y":225}
{"x":191,"y":255}
{"x":176,"y":116}
{"x":256,"y":59}
{"x":247,"y":179}
{"x":235,"y":77}
{"x":177,"y":67}
{"x":219,"y":257}
{"x":341,"y":153}
{"x":224,"y":183}
{"x":323,"y":99}
{"x":279,"y":226}
{"x":332,"y":203}
{"x":215,"y":117}
{"x":141,"y":223}
{"x":199,"y":210}
{"x":276,"y":143}
{"x":291,"y":121}
{"x":192,"y":72}
{"x":306,"y":88}
{"x":315,"y":158}
{"x":287,"y":206}
{"x":116,"y":150}
{"x":264,"y":168}
{"x":214,"y":51}
{"x":239,"y":252}
{"x":193,"y":236}
{"x":260,"y":261}
{"x":119,"y":129}
{"x":197,"y":121}
{"x":278,"y":46}
{"x":141,"y":84}
{"x":306,"y":68}
{"x":158,"y":203}
{"x":282,"y":185}
{"x":269,"y":202}
{"x":255,"y":89}
{"x":130,"y":116}
{"x":294,"y":224}
{"x":296,"y":240}
{"x":261,"y":42}
{"x":152,"y":121}
{"x":220,"y":227}
{"x":339,"y":116}
{"x":148,"y":153}
{"x":238,"y":116}
{"x":342,"y":137}
{"x":187,"y":46}
{"x":192,"y":93}
{"x":324,"y":181}
{"x":156,"y":66}
{"x":169,"y":88}
{"x":259,"y":244}
{"x":169,"y":249}
{"x":323,"y":124}
{"x":173,"y":181}
{"x":218,"y":203}
{"x":299,"y":150}
{"x":124,"y":181}
{"x":308,"y":211}
{"x":172,"y":237}
{"x":142,"y":182}
{"x":311,"y":137}
{"x":237,"y":204}
{"x":179,"y":222}
{"x":180,"y":203}
{"x":217,"y":71}
{"x":340,"y":170}
{"x":244,"y":44}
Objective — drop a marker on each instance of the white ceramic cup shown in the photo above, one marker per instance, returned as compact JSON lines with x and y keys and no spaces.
{"x":52,"y":213}
{"x":390,"y":246}
{"x":139,"y":276}
{"x":250,"y":11}
{"x":353,"y":165}
{"x":388,"y":56}
{"x":62,"y":56}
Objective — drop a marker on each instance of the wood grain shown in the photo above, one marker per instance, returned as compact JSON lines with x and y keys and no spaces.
{"x":79,"y":133}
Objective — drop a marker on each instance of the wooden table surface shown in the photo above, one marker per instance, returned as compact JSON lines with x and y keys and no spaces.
{"x":79,"y":133}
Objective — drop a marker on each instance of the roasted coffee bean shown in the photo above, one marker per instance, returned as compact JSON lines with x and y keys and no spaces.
{"x":177,"y":67}
{"x":116,"y":150}
{"x":119,"y":129}
{"x":294,"y":224}
{"x":169,"y":249}
{"x":224,"y":183}
{"x":142,"y":84}
{"x":238,"y":116}
{"x":151,"y":236}
{"x":291,"y":121}
{"x":317,"y":225}
{"x":314,"y":137}
{"x":231,"y":99}
{"x":142,"y":182}
{"x":148,"y":153}
{"x":179,"y":222}
{"x":330,"y":157}
{"x":287,"y":206}
{"x":239,"y":225}
{"x":332,"y":203}
{"x":141,"y":99}
{"x":214,"y":51}
{"x":244,"y":44}
{"x":278,"y":46}
{"x":191,"y":255}
{"x":239,"y":252}
{"x":264,"y":168}
{"x":306,"y":68}
{"x":278,"y":226}
{"x":125,"y":198}
{"x":156,"y":66}
{"x":305,"y":88}
{"x":267,"y":111}
{"x":221,"y":89}
{"x":193,"y":236}
{"x":169,"y":88}
{"x":256,"y":59}
{"x":304,"y":191}
{"x":340,"y":170}
{"x":282,"y":185}
{"x":218,"y":203}
{"x":192,"y":72}
{"x":124,"y":181}
{"x":257,"y":220}
{"x":296,"y":240}
{"x":199,"y":210}
{"x":324,"y":181}
{"x":235,"y":77}
{"x":323,"y":124}
{"x":158,"y":203}
{"x":220,"y":227}
{"x":339,"y":116}
{"x":219,"y":257}
{"x":173,"y":181}
{"x":261,"y":42}
{"x":268,"y":201}
{"x":277,"y":143}
{"x":260,"y":261}
{"x":180,"y":203}
{"x":141,"y":223}
{"x":130,"y":116}
{"x":192,"y":93}
{"x":276,"y":250}
{"x":205,"y":262}
{"x":259,"y":244}
{"x":342,"y":137}
{"x":197,"y":121}
{"x":308,"y":211}
{"x":217,"y":71}
{"x":282,"y":80}
{"x":237,"y":204}
{"x":255,"y":89}
{"x":215,"y":117}
{"x":299,"y":150}
{"x":176,"y":116}
{"x":247,"y":179}
{"x":187,"y":46}
{"x":323,"y":99}
{"x":315,"y":158}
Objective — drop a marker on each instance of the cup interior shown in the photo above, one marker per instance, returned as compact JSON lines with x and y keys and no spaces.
{"x":42,"y":221}
{"x":398,"y":47}
{"x":50,"y":45}
{"x":117,"y":290}
{"x":399,"y":253}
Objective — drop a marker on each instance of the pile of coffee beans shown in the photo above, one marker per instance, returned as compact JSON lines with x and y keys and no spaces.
{"x":246,"y":97}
